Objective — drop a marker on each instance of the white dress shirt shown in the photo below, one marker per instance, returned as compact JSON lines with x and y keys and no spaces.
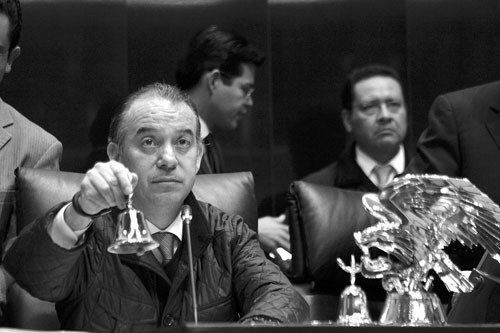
{"x":367,"y":164}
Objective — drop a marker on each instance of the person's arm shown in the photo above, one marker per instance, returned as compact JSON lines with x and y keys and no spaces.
{"x":268,"y":295}
{"x":38,"y":260}
{"x":273,"y":233}
{"x":51,"y":157}
{"x":438,"y":150}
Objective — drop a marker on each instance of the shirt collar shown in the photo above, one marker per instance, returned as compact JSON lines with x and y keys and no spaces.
{"x":204,"y":131}
{"x":175,"y":227}
{"x":366,"y":163}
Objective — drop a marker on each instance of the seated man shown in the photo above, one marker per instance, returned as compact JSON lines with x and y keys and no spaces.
{"x":374,"y":114}
{"x":155,"y":151}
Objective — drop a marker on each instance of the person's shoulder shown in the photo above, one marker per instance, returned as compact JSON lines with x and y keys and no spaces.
{"x":22,"y":124}
{"x":218,"y":219}
{"x":490,"y":87}
{"x":322,"y":176}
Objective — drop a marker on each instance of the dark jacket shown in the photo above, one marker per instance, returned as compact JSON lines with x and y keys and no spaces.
{"x":463,"y":140}
{"x":344,"y":173}
{"x":99,"y":291}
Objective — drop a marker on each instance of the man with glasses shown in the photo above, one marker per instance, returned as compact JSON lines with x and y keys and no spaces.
{"x":218,"y":74}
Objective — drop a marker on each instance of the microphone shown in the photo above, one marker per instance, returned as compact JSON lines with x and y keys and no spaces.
{"x":186,"y":218}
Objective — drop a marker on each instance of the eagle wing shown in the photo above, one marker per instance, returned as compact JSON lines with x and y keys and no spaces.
{"x":447,"y":209}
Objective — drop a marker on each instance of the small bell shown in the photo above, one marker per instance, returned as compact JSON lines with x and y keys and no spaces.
{"x":132,"y":233}
{"x":353,"y":306}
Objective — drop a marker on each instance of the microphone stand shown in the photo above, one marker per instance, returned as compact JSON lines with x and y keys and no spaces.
{"x":186,"y":218}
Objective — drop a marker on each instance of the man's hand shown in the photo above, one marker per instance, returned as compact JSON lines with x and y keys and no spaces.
{"x":105,"y":185}
{"x":273,"y":233}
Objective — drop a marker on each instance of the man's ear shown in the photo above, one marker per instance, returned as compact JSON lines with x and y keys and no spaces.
{"x":199,"y":156}
{"x":213,"y":79}
{"x":113,"y":151}
{"x":346,"y":119}
{"x":13,"y":55}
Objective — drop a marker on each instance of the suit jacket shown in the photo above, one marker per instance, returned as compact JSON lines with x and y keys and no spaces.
{"x":345,"y":173}
{"x":463,"y":140}
{"x":22,"y":143}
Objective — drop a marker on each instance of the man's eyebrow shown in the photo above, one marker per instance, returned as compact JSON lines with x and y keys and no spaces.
{"x":143,"y":130}
{"x":187,"y":131}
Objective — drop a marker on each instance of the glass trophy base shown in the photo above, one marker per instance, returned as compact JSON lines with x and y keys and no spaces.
{"x":418,"y":308}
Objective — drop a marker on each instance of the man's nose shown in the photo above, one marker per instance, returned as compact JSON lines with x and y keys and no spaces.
{"x":384,"y":111}
{"x":167,"y":157}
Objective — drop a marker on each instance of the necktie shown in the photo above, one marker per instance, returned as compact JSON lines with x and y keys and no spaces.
{"x":212,"y":154}
{"x":168,"y":242}
{"x":384,"y":174}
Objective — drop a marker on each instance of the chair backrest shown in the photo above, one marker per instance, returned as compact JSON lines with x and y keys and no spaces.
{"x":39,"y":190}
{"x":322,"y":221}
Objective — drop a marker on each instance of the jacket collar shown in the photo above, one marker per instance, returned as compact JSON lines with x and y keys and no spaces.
{"x":493,"y":119}
{"x":349,"y":174}
{"x":201,"y":237}
{"x":5,"y":121}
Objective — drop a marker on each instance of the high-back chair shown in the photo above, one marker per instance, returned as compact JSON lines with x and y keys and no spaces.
{"x":322,"y":221}
{"x":39,"y":190}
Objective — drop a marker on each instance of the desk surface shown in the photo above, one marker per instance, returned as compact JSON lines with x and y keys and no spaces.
{"x":314,"y":328}
{"x":320,"y":328}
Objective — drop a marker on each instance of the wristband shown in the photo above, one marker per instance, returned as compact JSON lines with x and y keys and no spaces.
{"x":78,"y":209}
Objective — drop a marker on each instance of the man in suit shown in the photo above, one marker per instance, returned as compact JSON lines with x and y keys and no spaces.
{"x":374,"y":115}
{"x":463,"y":140}
{"x":22,"y":143}
{"x":218,"y":73}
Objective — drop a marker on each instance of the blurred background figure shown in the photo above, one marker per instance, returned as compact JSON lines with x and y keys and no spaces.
{"x":375,"y":119}
{"x":463,"y":140}
{"x":22,"y":143}
{"x":218,"y":73}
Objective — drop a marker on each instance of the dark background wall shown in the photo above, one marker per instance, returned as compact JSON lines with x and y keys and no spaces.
{"x":80,"y":58}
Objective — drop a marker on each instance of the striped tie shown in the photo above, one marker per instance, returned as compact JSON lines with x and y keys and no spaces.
{"x":168,"y":243}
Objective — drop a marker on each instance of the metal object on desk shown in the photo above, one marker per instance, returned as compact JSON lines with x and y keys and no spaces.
{"x":353,"y":305}
{"x":418,"y":216}
{"x":132,"y":233}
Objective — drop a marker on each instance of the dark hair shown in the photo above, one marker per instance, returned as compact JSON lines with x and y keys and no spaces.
{"x":12,"y":9}
{"x":162,"y":90}
{"x":214,"y":48}
{"x":363,"y":73}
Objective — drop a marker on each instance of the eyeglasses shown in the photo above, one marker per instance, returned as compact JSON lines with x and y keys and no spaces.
{"x":247,"y":88}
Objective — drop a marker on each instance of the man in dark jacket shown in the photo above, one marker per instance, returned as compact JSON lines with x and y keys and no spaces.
{"x":374,"y":114}
{"x":463,"y":140}
{"x":155,"y":151}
